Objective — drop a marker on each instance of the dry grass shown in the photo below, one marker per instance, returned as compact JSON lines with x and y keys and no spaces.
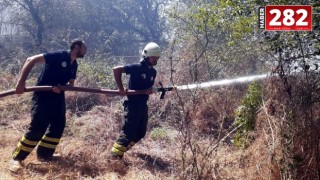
{"x":85,"y":150}
{"x":7,"y":80}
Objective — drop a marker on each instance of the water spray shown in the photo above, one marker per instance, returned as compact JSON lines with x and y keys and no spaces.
{"x":244,"y":79}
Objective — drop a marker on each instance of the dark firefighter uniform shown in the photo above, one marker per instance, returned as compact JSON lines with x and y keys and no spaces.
{"x":48,"y":108}
{"x":135,"y":107}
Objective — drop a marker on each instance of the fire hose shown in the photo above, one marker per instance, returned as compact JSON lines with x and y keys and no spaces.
{"x":161,"y":89}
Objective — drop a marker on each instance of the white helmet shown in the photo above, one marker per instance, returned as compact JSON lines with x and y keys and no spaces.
{"x":151,"y":49}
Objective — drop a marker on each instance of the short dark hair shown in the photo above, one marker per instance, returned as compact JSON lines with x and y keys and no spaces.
{"x":75,"y":42}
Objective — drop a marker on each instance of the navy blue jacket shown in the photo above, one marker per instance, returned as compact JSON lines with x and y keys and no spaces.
{"x":141,"y":77}
{"x":57,"y":69}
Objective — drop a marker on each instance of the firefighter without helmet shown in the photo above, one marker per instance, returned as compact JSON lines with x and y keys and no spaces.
{"x":151,"y":49}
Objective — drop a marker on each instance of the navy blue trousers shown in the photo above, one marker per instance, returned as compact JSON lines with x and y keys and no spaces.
{"x":134,"y":126}
{"x":46,"y":128}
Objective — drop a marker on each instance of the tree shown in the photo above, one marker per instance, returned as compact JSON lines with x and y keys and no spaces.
{"x":110,"y":27}
{"x":221,"y":39}
{"x":33,"y":8}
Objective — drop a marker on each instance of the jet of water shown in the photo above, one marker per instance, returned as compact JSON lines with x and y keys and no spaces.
{"x":223,"y":82}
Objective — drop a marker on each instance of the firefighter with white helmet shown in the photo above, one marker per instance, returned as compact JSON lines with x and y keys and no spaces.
{"x":142,"y":77}
{"x":151,"y":49}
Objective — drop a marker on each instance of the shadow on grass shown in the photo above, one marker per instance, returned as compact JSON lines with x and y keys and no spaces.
{"x":154,"y":164}
{"x":71,"y":165}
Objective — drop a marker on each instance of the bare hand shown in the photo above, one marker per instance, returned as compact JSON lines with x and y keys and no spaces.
{"x":149,"y":91}
{"x":20,"y":87}
{"x":122,"y":92}
{"x":56,"y":89}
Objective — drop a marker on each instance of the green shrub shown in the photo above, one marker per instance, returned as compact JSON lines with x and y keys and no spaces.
{"x":95,"y":74}
{"x":159,"y":134}
{"x":245,"y":115}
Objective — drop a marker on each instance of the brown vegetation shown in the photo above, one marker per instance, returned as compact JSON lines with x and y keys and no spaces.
{"x":189,"y":140}
{"x":190,"y":134}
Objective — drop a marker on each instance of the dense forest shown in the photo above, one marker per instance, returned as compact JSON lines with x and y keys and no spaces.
{"x":267,"y":129}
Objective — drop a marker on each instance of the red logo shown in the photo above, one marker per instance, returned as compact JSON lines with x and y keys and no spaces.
{"x":286,"y":18}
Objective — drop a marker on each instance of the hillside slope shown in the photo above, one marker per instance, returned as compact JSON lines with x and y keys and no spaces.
{"x":85,"y":151}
